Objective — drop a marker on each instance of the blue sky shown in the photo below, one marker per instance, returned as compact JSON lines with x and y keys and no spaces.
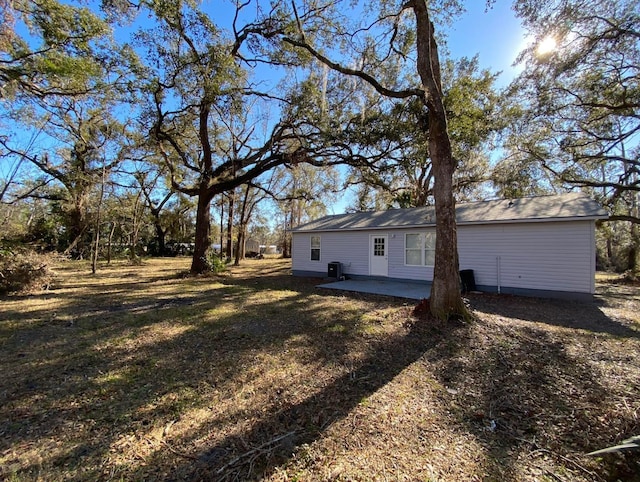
{"x":496,"y":36}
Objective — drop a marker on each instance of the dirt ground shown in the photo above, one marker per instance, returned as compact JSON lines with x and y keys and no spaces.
{"x":140,"y":373}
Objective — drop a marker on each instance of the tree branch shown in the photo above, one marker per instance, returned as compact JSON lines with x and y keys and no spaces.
{"x":396,"y":94}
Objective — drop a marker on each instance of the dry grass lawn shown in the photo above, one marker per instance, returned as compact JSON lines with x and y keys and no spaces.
{"x":138,"y":373}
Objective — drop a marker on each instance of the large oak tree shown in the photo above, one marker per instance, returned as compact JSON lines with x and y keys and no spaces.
{"x":196,"y":90}
{"x":392,"y":48}
{"x":405,"y":179}
{"x":579,"y":99}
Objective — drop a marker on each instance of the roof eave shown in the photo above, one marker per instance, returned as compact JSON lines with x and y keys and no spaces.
{"x":460,"y":223}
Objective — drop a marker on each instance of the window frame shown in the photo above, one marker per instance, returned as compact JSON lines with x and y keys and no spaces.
{"x":423,"y":247}
{"x":313,"y":248}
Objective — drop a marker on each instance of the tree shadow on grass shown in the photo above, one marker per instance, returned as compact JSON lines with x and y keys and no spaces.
{"x":271,"y":441}
{"x":534,"y":403}
{"x":119,"y":384}
{"x":568,"y":314}
{"x":534,"y":408}
{"x":70,"y":384}
{"x":78,"y":392}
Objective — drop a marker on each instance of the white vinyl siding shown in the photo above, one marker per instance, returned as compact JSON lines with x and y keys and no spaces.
{"x":398,"y":267}
{"x":349,"y":248}
{"x":555,"y":256}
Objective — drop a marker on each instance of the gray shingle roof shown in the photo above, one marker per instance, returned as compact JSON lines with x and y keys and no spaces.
{"x":561,"y":207}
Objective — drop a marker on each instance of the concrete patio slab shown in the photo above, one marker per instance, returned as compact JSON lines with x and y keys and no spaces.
{"x":399,"y":289}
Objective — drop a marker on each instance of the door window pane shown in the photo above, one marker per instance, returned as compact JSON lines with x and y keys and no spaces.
{"x":378,"y":246}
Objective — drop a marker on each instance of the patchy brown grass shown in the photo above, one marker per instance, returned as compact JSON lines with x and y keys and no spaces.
{"x":140,"y":374}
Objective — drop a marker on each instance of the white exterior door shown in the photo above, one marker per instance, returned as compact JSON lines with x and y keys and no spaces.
{"x":378,"y":255}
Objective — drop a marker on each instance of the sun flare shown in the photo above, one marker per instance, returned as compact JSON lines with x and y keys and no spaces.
{"x":547,"y":45}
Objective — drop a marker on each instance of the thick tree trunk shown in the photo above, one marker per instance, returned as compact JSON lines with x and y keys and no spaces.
{"x":446,"y":300}
{"x":229,"y":248}
{"x":77,"y":229}
{"x":200,"y":263}
{"x":240,"y":246}
{"x":160,"y":235}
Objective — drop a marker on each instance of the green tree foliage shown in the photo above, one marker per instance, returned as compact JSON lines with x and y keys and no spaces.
{"x":377,"y":48}
{"x":48,"y":48}
{"x":33,"y":221}
{"x":88,"y":140}
{"x":580,"y":100}
{"x":61,"y":79}
{"x":405,"y":178}
{"x":198,"y":93}
{"x":152,"y":180}
{"x":305,"y":194}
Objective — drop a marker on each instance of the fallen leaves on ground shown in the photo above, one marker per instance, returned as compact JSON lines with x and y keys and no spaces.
{"x":142,"y":373}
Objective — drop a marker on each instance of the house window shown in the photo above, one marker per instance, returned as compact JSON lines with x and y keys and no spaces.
{"x":420,"y":249}
{"x":315,"y":248}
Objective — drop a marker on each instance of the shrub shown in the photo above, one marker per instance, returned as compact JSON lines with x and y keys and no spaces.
{"x":23,"y":271}
{"x":216,"y":264}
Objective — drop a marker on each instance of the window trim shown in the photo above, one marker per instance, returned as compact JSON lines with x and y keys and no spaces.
{"x":317,"y":248}
{"x":423,"y":249}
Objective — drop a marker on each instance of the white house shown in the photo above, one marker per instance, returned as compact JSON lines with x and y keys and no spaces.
{"x":537,"y":246}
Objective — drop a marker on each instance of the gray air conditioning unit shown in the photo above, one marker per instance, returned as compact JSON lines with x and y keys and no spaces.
{"x":334,"y":270}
